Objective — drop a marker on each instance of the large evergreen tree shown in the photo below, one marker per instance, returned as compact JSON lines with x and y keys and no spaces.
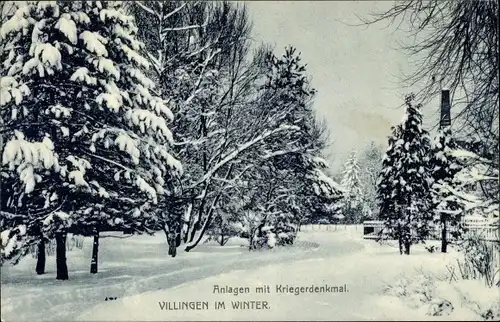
{"x":404,"y":183}
{"x":444,"y":166}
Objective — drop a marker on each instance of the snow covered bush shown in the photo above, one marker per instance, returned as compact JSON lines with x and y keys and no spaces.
{"x":475,"y":187}
{"x":271,"y":239}
{"x":445,"y":295}
{"x":475,"y":300}
{"x":13,"y":243}
{"x":416,"y":291}
{"x":284,"y":232}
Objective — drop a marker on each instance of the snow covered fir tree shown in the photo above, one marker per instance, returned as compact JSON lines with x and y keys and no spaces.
{"x":171,"y":160}
{"x":444,"y":165}
{"x":88,"y":148}
{"x":352,"y":190}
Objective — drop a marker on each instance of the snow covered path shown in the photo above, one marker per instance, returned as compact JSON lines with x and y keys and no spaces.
{"x":342,"y":258}
{"x":332,"y":259}
{"x":138,"y":265}
{"x":139,"y":273}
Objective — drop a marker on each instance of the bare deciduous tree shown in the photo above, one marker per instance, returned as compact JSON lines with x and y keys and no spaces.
{"x":455,"y":45}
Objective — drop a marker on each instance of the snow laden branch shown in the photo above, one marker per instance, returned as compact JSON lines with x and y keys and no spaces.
{"x":226,"y":158}
{"x":162,"y":20}
{"x":196,"y":87}
{"x":144,"y":7}
{"x":474,"y":171}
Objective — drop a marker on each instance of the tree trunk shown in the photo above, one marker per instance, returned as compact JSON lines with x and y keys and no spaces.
{"x":172,"y":242}
{"x":62,"y":268}
{"x":40,"y":258}
{"x":172,"y":249}
{"x":95,"y":251}
{"x":197,"y":223}
{"x":209,"y":217}
{"x":166,"y":238}
{"x":400,"y":239}
{"x":407,"y":248}
{"x":251,"y":238}
{"x":185,"y":231}
{"x":204,"y":227}
{"x":444,"y":241}
{"x":178,"y":240}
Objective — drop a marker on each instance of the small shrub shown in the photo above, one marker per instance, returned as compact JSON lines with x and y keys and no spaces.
{"x":417,"y":291}
{"x":481,"y":260}
{"x":286,"y":238}
{"x":399,"y":289}
{"x":431,"y":248}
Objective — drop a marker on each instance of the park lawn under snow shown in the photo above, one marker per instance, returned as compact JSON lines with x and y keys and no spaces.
{"x":138,"y":272}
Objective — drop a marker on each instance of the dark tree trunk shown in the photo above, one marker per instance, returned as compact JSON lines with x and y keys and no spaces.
{"x":40,"y":258}
{"x":203,"y":228}
{"x":166,"y":238}
{"x":95,"y":251}
{"x":205,"y":225}
{"x":62,"y":268}
{"x":251,"y":239}
{"x":197,"y":223}
{"x":407,"y":233}
{"x":172,"y":250}
{"x":171,"y":243}
{"x":400,"y":239}
{"x":444,"y":241}
{"x":178,"y":240}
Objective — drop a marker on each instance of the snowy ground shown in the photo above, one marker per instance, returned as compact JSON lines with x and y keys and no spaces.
{"x":138,"y":272}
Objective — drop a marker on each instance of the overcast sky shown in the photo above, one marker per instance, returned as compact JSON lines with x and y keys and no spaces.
{"x":356,"y":70}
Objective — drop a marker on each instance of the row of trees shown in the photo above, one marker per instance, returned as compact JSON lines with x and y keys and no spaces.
{"x":452,"y":44}
{"x":90,"y":142}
